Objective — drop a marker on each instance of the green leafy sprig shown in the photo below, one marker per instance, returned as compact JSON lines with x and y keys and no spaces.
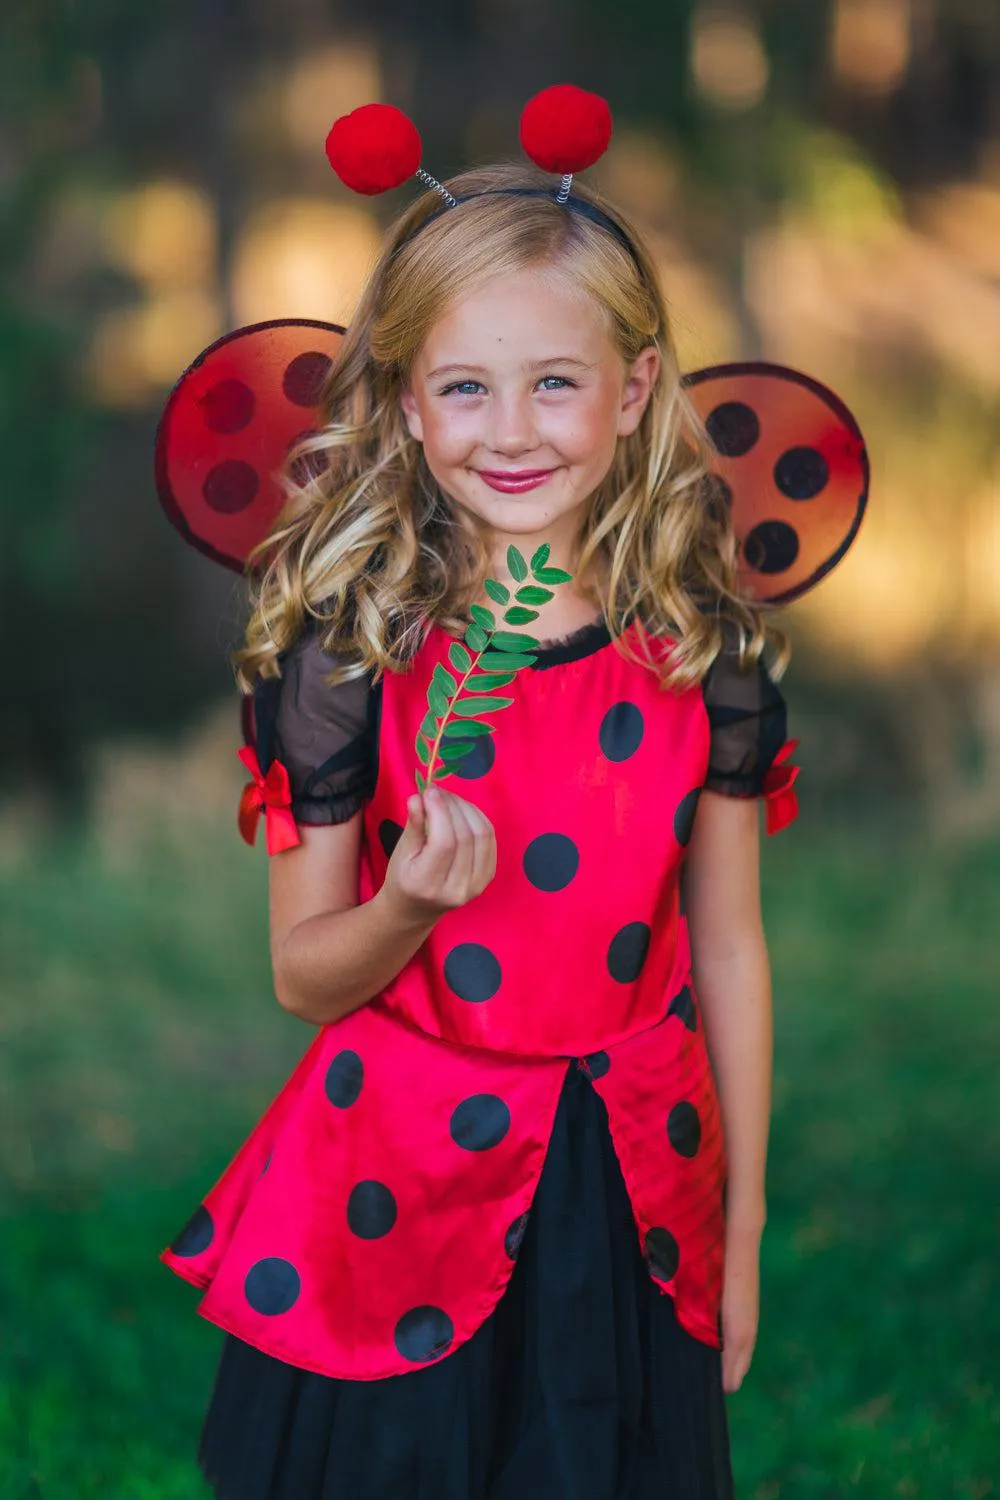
{"x":489,"y":659}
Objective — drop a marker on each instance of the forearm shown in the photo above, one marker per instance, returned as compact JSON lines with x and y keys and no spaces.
{"x":734,"y":993}
{"x":333,"y":963}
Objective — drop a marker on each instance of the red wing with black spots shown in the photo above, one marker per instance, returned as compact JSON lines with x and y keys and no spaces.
{"x":227,"y":428}
{"x":791,"y":461}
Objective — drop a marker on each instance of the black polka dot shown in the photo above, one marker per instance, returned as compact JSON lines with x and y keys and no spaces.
{"x":550,"y":861}
{"x":230,"y":486}
{"x":304,"y":377}
{"x":228,"y":406}
{"x":627,"y":952}
{"x":272,"y":1286}
{"x":473,"y":972}
{"x":344,"y":1079}
{"x":196,"y":1235}
{"x":684,"y":816}
{"x":771,"y":547}
{"x":621,"y":731}
{"x":683,"y":1006}
{"x":480,"y":1122}
{"x":663,"y":1254}
{"x":423,"y":1333}
{"x":389,"y":834}
{"x":515,"y":1234}
{"x":801,"y":473}
{"x":479,"y":759}
{"x":598,"y":1064}
{"x":684,"y":1129}
{"x":371,"y":1210}
{"x":733,"y":428}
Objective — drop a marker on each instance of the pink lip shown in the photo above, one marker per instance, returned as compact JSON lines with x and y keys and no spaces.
{"x":514,"y":480}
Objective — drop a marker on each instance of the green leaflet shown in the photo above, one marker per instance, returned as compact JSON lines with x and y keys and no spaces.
{"x":421,"y":782}
{"x":444,"y":680}
{"x":486,"y":682}
{"x":504,"y":661}
{"x":459,"y":657}
{"x":483,"y":617}
{"x":437,"y":700}
{"x":454,"y":751}
{"x":423,"y":750}
{"x":440,"y":771}
{"x":540,"y":558}
{"x":498,"y":592}
{"x":517,"y":565}
{"x":476,"y":638}
{"x":518,"y":615}
{"x":467,"y":729}
{"x":553,"y":575}
{"x":508,"y":640}
{"x":531,"y":594}
{"x":428,"y":725}
{"x":466,"y":707}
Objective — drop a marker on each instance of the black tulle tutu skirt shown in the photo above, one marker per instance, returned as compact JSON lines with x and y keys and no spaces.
{"x":581,"y":1385}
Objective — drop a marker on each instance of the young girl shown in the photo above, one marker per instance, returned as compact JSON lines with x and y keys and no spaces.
{"x":478,"y":1249}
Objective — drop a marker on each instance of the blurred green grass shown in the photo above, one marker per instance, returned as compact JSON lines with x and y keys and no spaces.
{"x":140,"y":1043}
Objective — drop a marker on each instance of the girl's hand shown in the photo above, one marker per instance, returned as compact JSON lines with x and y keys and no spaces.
{"x":740,"y":1306}
{"x":447,"y":854}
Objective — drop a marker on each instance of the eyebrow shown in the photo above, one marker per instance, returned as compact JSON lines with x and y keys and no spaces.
{"x":536,"y":364}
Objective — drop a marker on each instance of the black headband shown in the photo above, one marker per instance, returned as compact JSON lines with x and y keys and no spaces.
{"x":577,"y":205}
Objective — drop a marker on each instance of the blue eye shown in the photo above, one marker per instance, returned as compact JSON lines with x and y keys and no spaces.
{"x":461,"y":386}
{"x":561,"y":381}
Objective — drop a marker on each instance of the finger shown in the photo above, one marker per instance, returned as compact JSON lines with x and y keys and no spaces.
{"x":484,"y":862}
{"x":462,"y":865}
{"x":439,"y":849}
{"x":416,"y":817}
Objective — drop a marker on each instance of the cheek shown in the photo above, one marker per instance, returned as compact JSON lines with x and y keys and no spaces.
{"x":448,"y":434}
{"x":588,"y":431}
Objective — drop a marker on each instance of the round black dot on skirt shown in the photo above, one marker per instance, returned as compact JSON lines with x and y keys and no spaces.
{"x":684,"y":1129}
{"x":480,"y":1122}
{"x":196,"y":1235}
{"x":515,"y":1234}
{"x":344,"y":1079}
{"x":627,"y":952}
{"x":272,"y":1286}
{"x":801,"y":473}
{"x":598,"y":1064}
{"x":771,"y":547}
{"x":473,"y":972}
{"x":682,"y":1006}
{"x":621,"y":731}
{"x":733,"y":428}
{"x":684,"y":816}
{"x":423,"y":1333}
{"x":663,"y":1254}
{"x":550,"y":861}
{"x":371,"y":1210}
{"x":389,"y":834}
{"x":478,"y":760}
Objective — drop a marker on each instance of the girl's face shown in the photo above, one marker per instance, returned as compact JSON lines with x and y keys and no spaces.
{"x":519,"y":396}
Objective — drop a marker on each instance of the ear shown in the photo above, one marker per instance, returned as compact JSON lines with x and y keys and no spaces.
{"x":411,"y":416}
{"x":640,"y":382}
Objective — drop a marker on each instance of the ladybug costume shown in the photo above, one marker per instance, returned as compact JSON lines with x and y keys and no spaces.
{"x":473,"y":1250}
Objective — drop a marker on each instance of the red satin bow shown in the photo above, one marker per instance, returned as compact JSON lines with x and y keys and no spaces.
{"x":272,"y":795}
{"x":782,"y":803}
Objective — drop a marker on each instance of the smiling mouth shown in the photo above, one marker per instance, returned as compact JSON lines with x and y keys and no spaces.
{"x":514,"y":479}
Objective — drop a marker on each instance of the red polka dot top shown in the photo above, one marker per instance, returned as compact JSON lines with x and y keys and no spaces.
{"x":371,"y":1220}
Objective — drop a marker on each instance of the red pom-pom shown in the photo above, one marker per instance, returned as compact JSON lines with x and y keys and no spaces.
{"x":374,"y":148}
{"x":565,"y":129}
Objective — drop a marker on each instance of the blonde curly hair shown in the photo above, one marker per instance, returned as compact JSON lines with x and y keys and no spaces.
{"x":367,"y":545}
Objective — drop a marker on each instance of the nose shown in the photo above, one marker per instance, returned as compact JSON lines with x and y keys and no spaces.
{"x":512,"y":429}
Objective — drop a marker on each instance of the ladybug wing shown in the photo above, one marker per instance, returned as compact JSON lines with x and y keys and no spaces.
{"x":228,"y":425}
{"x":790,"y":458}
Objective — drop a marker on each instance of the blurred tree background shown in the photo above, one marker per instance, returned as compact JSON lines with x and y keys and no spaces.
{"x":821,"y":186}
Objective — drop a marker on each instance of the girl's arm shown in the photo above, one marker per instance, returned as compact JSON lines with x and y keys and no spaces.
{"x":733,"y":982}
{"x":329,"y":954}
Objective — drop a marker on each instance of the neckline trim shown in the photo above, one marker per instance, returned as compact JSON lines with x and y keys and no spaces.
{"x":584,"y":641}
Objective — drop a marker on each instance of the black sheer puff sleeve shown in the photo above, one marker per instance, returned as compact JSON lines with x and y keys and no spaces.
{"x":324,"y":736}
{"x":747,"y":720}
